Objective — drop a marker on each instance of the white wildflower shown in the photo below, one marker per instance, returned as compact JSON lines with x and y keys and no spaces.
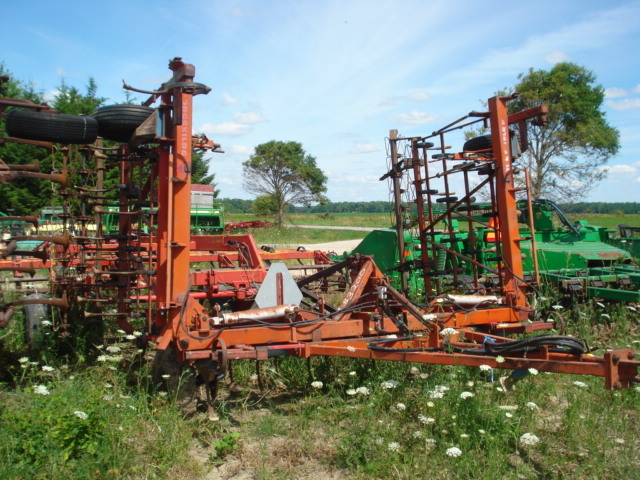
{"x":130,"y":337}
{"x":508,"y":415}
{"x":465,"y":395}
{"x":107,"y":398}
{"x":113,"y":349}
{"x":435,"y":394}
{"x":137,"y":333}
{"x":528,"y":439}
{"x":351,"y":391}
{"x":41,"y":390}
{"x":464,"y":435}
{"x":162,"y":394}
{"x":414,"y":370}
{"x":122,"y":332}
{"x":431,"y":404}
{"x":362,"y":390}
{"x":389,"y":384}
{"x":401,"y":406}
{"x":425,"y":420}
{"x":317,"y":384}
{"x":499,"y":359}
{"x":417,"y":434}
{"x":23,"y":359}
{"x":81,"y":415}
{"x":533,"y":371}
{"x":423,"y":376}
{"x":531,"y":406}
{"x":47,"y":368}
{"x":557,"y":307}
{"x":394,"y":447}
{"x":470,"y":383}
{"x":102,"y":358}
{"x":447,"y":332}
{"x":46,"y":323}
{"x":352,"y":373}
{"x":114,"y":358}
{"x":430,"y":442}
{"x":484,"y":367}
{"x":108,"y":385}
{"x":481,"y":431}
{"x":580,"y":384}
{"x":453,"y":452}
{"x":166,"y":376}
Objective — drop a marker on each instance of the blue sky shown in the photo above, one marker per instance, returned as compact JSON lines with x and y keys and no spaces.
{"x":335,"y":76}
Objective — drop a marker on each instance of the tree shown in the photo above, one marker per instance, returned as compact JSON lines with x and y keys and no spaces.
{"x":566,"y":156}
{"x":23,"y":196}
{"x":200,"y":170}
{"x":69,"y":99}
{"x":286,"y":174}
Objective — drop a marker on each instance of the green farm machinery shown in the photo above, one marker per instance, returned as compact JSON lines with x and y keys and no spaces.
{"x":578,"y":259}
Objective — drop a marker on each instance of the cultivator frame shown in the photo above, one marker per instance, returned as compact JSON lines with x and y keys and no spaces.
{"x":147,"y":283}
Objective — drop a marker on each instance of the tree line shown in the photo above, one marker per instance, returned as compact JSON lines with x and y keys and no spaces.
{"x":237,"y":205}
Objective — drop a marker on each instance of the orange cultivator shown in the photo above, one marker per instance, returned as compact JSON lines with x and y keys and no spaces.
{"x":239,"y":309}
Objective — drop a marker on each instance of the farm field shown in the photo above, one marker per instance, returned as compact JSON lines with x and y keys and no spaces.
{"x":93,"y":412}
{"x":378,"y":220}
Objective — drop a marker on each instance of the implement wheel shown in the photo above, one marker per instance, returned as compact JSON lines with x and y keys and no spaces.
{"x":119,"y":122}
{"x":478,"y":143}
{"x":51,"y":127}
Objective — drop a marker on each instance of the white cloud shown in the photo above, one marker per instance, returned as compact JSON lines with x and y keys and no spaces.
{"x":50,"y":97}
{"x":636,"y":89}
{"x":624,"y":104}
{"x":361,"y":179}
{"x":225,"y":181}
{"x":637,"y":180}
{"x":363,"y":148}
{"x":420,"y":96}
{"x":556,"y":57}
{"x":620,"y":170}
{"x":228,"y":99}
{"x":242,"y":150}
{"x":413,"y":118}
{"x":248,"y":117}
{"x":230,"y":129}
{"x":615,"y":92}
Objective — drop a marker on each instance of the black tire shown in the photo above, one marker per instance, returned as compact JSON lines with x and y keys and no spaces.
{"x":119,"y":122}
{"x":51,"y":127}
{"x":478,"y":143}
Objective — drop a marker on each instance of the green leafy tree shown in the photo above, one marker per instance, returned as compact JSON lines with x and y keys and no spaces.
{"x":286,"y":174}
{"x":567,"y":155}
{"x":23,"y":196}
{"x":200,"y":170}
{"x":71,"y":101}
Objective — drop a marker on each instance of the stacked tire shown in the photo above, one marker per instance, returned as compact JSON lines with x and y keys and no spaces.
{"x":51,"y":127}
{"x":119,"y":122}
{"x":113,"y":122}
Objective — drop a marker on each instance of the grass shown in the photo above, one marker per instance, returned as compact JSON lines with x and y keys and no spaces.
{"x":365,"y":419}
{"x":103,"y":418}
